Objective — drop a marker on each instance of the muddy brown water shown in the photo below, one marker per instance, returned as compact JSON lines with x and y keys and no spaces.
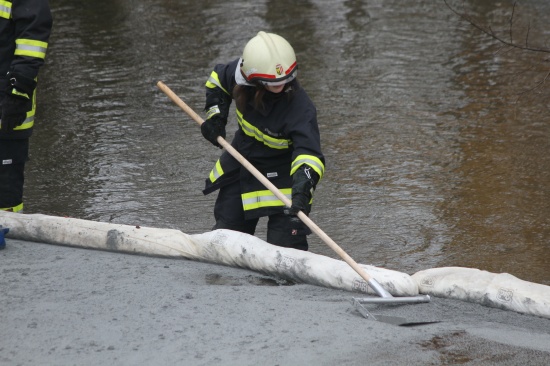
{"x":434,"y":155}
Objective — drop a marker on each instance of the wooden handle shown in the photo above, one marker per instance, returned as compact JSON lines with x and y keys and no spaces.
{"x":305,"y":219}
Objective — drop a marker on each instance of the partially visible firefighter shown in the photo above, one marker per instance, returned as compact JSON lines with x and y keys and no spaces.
{"x":278,"y":134}
{"x":25,"y":27}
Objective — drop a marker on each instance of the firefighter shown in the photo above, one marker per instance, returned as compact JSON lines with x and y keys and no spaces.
{"x":25,"y":27}
{"x":278,"y":133}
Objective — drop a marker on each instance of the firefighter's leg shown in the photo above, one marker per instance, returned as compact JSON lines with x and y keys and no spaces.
{"x":228,"y":211}
{"x":13,"y":155}
{"x":284,"y":232}
{"x":11,"y":187}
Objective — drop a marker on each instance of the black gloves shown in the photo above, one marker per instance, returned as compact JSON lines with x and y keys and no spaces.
{"x":18,"y":101}
{"x":304,"y":181}
{"x":14,"y":112}
{"x":214,"y":127}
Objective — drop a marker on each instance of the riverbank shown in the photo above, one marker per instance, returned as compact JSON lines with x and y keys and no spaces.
{"x":71,"y":306}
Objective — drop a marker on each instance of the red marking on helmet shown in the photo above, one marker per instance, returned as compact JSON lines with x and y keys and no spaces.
{"x":270,"y":76}
{"x":291,"y":68}
{"x":263,"y":76}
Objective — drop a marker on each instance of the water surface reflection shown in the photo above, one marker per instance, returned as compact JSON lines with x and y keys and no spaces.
{"x":431,"y":161}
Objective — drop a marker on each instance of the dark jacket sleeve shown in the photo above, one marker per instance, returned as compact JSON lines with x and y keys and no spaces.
{"x":25,"y":27}
{"x":33,"y":24}
{"x":219,"y":87}
{"x":303,"y":129}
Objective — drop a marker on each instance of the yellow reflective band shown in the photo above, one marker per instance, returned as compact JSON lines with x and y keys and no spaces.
{"x":27,"y":123}
{"x":214,"y":81}
{"x":13,"y":209}
{"x":216,"y":172}
{"x":5,"y":9}
{"x":24,"y":95}
{"x":310,"y":160}
{"x":267,"y":140}
{"x":30,"y":48}
{"x":261,"y":199}
{"x":212,"y":111}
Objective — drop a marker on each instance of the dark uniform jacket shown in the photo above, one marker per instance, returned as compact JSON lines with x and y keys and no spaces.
{"x":276,"y":140}
{"x":25,"y":27}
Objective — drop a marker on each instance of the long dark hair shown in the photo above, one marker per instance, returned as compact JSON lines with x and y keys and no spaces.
{"x":244,"y":94}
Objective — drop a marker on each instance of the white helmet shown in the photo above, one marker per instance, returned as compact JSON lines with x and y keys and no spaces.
{"x":268,"y":59}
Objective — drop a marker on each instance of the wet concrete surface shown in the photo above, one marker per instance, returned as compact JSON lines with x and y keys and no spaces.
{"x":71,"y":306}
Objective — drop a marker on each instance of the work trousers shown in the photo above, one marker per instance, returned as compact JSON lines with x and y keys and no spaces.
{"x":13,"y":156}
{"x":281,"y":230}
